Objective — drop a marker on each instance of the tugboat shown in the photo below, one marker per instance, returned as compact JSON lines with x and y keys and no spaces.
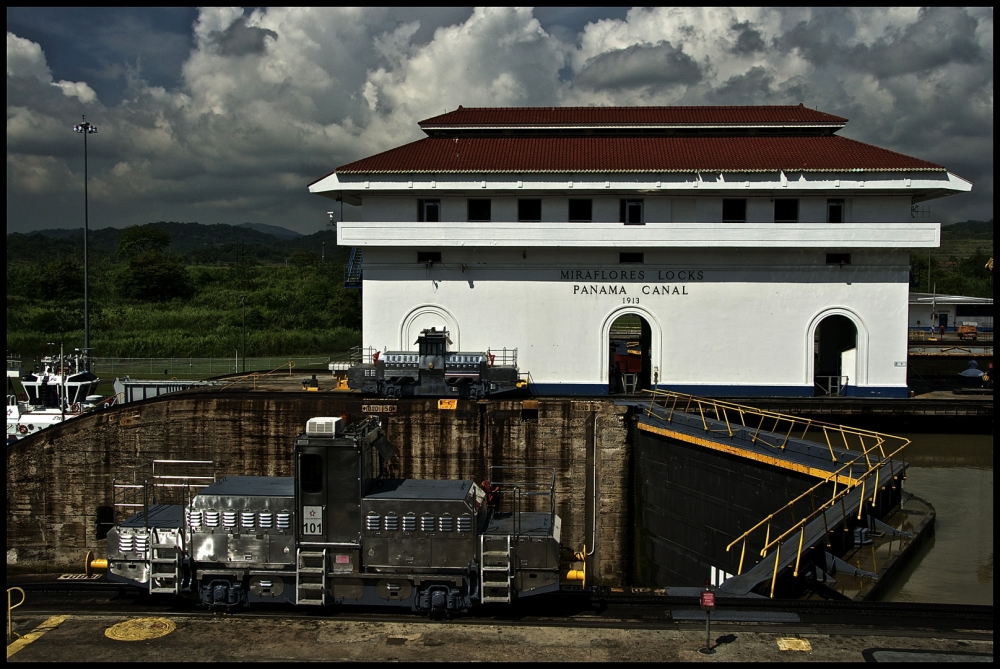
{"x":63,"y":389}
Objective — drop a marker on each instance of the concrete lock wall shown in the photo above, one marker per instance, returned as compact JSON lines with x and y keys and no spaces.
{"x":57,"y":480}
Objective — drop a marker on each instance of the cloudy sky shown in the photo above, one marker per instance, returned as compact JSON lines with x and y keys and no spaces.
{"x":226,"y":115}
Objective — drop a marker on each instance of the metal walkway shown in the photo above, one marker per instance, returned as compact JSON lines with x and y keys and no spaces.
{"x":852,"y":467}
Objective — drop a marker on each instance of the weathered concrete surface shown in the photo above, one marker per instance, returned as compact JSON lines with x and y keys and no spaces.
{"x":57,"y":479}
{"x":238,"y":639}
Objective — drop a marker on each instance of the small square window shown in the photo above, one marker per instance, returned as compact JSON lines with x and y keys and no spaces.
{"x":529,"y":210}
{"x":479,"y":210}
{"x":786,"y":211}
{"x":838,"y":258}
{"x":734,"y":211}
{"x":428,"y":256}
{"x":630,"y":212}
{"x":628,"y":257}
{"x":581,"y":210}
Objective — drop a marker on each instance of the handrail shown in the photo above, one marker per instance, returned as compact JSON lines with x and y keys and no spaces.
{"x":669,"y":400}
{"x":879,"y":449}
{"x":10,"y":624}
{"x":144,"y":480}
{"x":257,"y":375}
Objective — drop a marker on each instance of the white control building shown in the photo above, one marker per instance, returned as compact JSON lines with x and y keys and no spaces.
{"x":754,"y":251}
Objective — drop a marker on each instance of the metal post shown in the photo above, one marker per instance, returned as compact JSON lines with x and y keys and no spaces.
{"x":85,"y":129}
{"x":10,"y":624}
{"x":243,"y":301}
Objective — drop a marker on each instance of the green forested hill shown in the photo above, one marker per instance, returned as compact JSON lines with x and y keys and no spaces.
{"x":958,"y":267}
{"x":194,"y":242}
{"x":183,"y":299}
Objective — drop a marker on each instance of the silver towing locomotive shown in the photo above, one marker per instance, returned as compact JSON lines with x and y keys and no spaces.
{"x":434,"y":370}
{"x":338,"y":532}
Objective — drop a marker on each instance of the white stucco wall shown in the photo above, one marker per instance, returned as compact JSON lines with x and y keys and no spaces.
{"x":739,"y":320}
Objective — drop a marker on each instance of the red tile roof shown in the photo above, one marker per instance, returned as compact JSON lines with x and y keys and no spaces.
{"x":599,"y":116}
{"x":829,"y":153}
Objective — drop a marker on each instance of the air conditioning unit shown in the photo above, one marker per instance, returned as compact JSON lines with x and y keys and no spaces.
{"x":324,"y":426}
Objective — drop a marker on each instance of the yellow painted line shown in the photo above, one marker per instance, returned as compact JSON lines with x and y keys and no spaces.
{"x":34,"y":634}
{"x":739,"y":452}
{"x":792,"y":643}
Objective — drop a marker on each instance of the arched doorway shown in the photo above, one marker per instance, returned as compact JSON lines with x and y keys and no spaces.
{"x":835,"y":356}
{"x":425,"y":317}
{"x":629,"y":346}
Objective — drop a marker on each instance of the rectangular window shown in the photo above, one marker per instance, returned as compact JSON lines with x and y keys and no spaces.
{"x":626,"y":257}
{"x":429,"y":211}
{"x":786,"y":211}
{"x":581,"y":210}
{"x":838,"y":258}
{"x":311,"y":472}
{"x":834,"y":211}
{"x":428,"y":256}
{"x":734,"y":211}
{"x":529,"y":210}
{"x":630,"y":212}
{"x":479,"y":210}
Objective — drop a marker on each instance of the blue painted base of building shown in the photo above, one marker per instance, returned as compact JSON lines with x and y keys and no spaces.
{"x":599,"y":389}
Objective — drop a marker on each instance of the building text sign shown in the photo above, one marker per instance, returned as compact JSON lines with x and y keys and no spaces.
{"x":630,"y":292}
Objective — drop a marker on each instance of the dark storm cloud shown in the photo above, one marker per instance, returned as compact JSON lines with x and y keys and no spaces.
{"x":753,"y":88}
{"x":940,"y":35}
{"x":239,"y":39}
{"x":638,"y":66}
{"x":748,"y":40}
{"x":203,"y":117}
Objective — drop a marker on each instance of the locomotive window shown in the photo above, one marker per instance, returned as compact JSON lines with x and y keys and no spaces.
{"x":311,"y":472}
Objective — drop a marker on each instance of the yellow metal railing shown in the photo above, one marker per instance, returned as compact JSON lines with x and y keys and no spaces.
{"x":735,"y":416}
{"x":255,"y":376}
{"x":874,"y":449}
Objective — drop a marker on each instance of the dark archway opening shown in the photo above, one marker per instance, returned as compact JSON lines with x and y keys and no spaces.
{"x":629,"y":345}
{"x":835,"y":353}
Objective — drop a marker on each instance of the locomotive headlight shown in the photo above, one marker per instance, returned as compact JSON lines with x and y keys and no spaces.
{"x":430,"y":365}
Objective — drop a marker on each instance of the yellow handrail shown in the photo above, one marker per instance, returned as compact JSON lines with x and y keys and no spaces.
{"x":256,"y":375}
{"x":872,"y":457}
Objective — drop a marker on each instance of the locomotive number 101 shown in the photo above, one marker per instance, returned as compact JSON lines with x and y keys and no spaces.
{"x":312,"y":523}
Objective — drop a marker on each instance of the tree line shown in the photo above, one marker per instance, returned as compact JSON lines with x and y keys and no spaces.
{"x":148,"y":299}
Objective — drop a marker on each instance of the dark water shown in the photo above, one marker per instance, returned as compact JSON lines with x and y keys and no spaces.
{"x":955,"y":474}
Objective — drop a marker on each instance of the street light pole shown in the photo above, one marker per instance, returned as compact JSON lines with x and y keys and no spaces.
{"x":86,"y":129}
{"x":243,"y":301}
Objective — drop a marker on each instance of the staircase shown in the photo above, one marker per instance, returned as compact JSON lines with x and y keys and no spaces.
{"x":353,"y":270}
{"x":310,"y":577}
{"x":496,"y":574}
